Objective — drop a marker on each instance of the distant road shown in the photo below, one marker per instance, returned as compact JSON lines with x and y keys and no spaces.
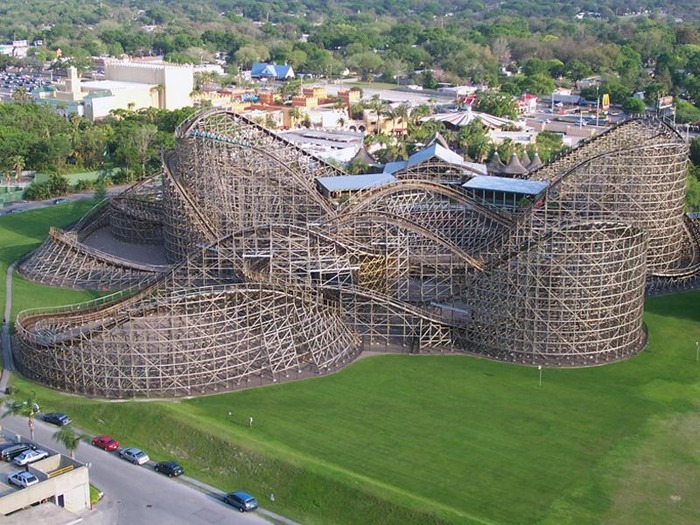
{"x":20,"y":206}
{"x":392,"y":95}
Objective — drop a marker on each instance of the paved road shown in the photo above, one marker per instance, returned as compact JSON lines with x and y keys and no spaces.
{"x":20,"y":206}
{"x":137,"y":495}
{"x":133,"y":495}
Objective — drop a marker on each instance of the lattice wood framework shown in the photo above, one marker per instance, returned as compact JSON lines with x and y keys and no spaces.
{"x":271,"y":282}
{"x":64,"y":259}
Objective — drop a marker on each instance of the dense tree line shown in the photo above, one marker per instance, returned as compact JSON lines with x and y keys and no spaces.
{"x":33,"y":137}
{"x":521,"y":46}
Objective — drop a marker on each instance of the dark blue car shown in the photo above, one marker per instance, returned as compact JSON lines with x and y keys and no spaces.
{"x":57,"y":418}
{"x":169,"y":468}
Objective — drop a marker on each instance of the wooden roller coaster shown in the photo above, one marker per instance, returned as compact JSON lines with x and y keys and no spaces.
{"x":268,"y":280}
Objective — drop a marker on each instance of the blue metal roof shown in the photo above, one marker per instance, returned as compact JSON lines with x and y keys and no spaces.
{"x":283,"y":71}
{"x":262,"y":69}
{"x":523,"y":187}
{"x":355,"y":182}
{"x":434,"y":150}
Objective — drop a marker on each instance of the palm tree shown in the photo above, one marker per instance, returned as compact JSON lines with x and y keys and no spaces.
{"x":21,"y":95}
{"x":160,"y":90}
{"x":18,"y":163}
{"x":295,"y":115}
{"x":69,"y":438}
{"x":377,"y":105}
{"x":27,"y":408}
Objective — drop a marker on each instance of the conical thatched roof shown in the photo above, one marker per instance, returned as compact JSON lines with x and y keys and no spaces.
{"x":495,"y":166}
{"x":437,"y":138}
{"x":525,"y":160}
{"x":364,"y":156}
{"x":514,"y":167}
{"x":535,"y":164}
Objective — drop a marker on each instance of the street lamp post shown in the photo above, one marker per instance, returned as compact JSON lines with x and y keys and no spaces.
{"x":540,"y":369}
{"x":697,"y":351}
{"x":597,"y":105}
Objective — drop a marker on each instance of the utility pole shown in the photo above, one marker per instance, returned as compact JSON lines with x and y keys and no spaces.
{"x":597,"y":105}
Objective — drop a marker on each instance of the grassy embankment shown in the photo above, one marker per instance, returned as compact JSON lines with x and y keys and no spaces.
{"x":22,"y":232}
{"x":433,"y":439}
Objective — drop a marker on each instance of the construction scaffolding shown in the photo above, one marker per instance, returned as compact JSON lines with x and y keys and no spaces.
{"x":268,"y":280}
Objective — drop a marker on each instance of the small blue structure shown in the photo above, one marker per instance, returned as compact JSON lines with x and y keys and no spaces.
{"x":344,"y":185}
{"x":262,"y":70}
{"x":504,"y":192}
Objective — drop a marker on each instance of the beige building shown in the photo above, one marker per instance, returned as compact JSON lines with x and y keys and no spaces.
{"x":127,"y":85}
{"x":177,"y":81}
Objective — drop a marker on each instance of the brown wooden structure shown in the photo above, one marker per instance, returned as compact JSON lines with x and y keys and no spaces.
{"x":269,"y":280}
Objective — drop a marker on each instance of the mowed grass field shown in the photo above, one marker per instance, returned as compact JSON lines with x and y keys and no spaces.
{"x":446,"y":439}
{"x":20,"y":233}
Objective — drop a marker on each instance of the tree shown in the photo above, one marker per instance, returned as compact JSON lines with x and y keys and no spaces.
{"x":69,"y":438}
{"x":686,"y":112}
{"x":27,"y":408}
{"x":473,"y":140}
{"x":100,"y":190}
{"x":142,"y":139}
{"x":548,"y":145}
{"x":366,"y":63}
{"x":295,"y":115}
{"x":497,"y":104}
{"x":633,"y":105}
{"x":246,"y":55}
{"x":695,"y":151}
{"x":21,"y":95}
{"x":17,"y":162}
{"x":692,"y":192}
{"x":377,"y":105}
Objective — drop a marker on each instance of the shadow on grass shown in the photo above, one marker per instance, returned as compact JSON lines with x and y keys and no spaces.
{"x":681,"y":305}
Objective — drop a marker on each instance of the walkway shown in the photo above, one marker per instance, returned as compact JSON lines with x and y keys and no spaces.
{"x":6,"y":343}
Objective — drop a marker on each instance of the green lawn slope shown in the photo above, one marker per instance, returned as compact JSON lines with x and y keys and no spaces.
{"x":20,"y":233}
{"x":447,"y":439}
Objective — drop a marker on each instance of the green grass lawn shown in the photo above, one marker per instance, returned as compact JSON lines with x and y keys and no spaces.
{"x":432,"y":439}
{"x":448,"y":439}
{"x":22,"y":232}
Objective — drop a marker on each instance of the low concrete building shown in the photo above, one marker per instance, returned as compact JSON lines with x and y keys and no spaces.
{"x":62,"y":480}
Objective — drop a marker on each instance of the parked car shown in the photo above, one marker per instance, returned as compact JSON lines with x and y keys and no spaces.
{"x":60,"y":201}
{"x":11,"y":452}
{"x":107,"y":443}
{"x":22,"y":479}
{"x":57,"y":418}
{"x":30,"y":456}
{"x":243,"y":501}
{"x":135,"y":455}
{"x":169,"y":468}
{"x":17,"y":405}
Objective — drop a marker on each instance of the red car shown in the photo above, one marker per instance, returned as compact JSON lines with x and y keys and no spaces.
{"x":107,"y":443}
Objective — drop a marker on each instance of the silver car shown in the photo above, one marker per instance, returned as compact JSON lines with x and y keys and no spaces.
{"x":22,"y":479}
{"x":30,"y":456}
{"x":135,"y":455}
